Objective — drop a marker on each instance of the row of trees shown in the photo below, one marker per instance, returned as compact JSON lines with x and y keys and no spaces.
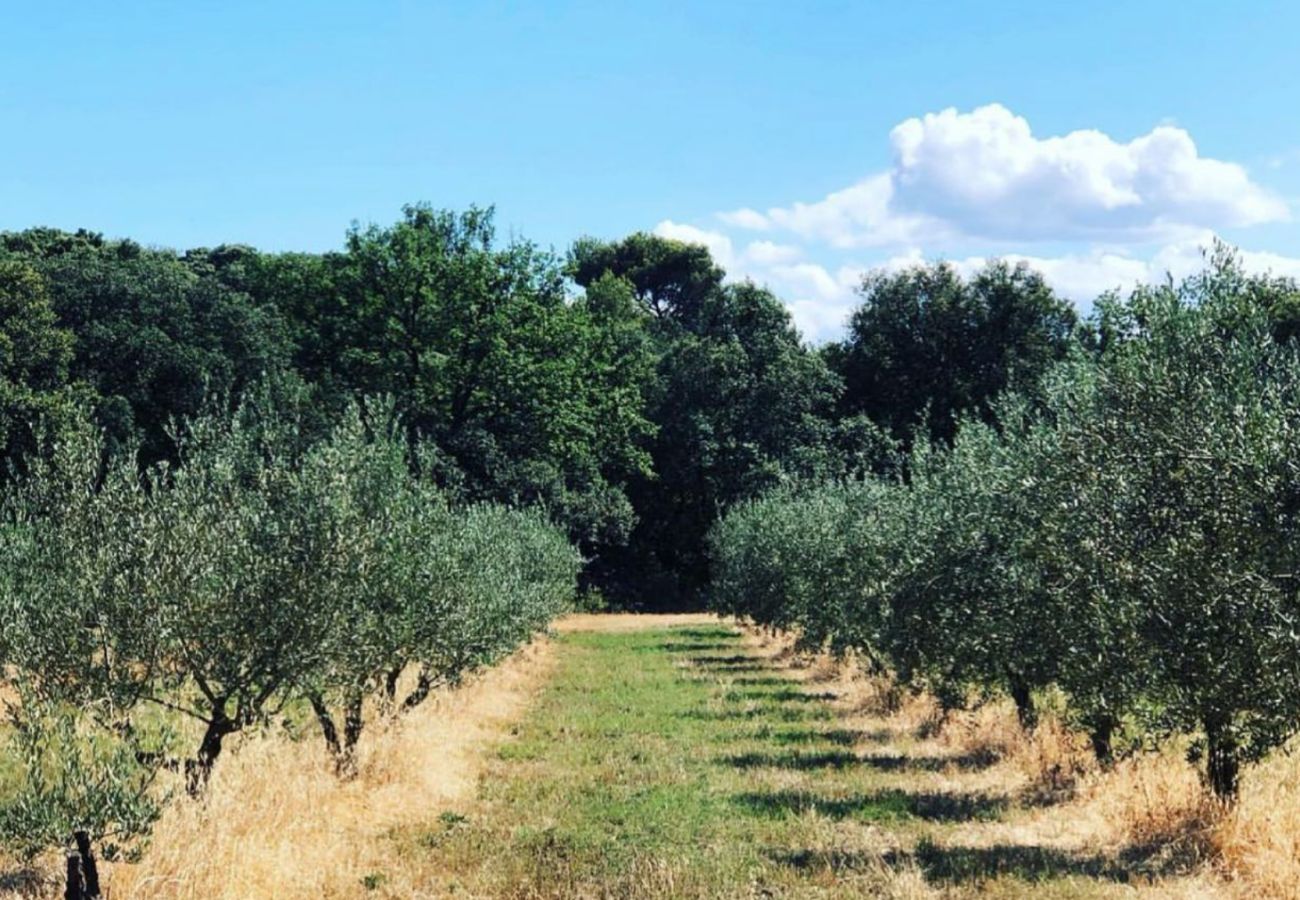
{"x":1127,"y":531}
{"x":627,"y":388}
{"x":265,"y":569}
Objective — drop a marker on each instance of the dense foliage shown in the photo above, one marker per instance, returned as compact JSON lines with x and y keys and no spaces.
{"x":629,"y":390}
{"x":258,"y":571}
{"x":1129,"y":534}
{"x":927,"y":344}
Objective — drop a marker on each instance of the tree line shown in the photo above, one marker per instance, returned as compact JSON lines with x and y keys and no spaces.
{"x":626,"y":388}
{"x":1124,"y":531}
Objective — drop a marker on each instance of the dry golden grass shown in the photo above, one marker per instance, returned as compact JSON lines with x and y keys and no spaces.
{"x":611,"y":623}
{"x":278,"y":824}
{"x":1258,"y":844}
{"x":1150,"y":815}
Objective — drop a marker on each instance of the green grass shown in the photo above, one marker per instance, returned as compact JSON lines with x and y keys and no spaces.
{"x":676,"y":763}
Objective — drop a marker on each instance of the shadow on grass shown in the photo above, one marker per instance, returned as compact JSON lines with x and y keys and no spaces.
{"x":735,"y":659}
{"x":26,"y":881}
{"x":761,"y":681}
{"x":729,"y":668}
{"x":844,"y":759}
{"x":898,"y":762}
{"x":840,"y":737}
{"x":769,"y":713}
{"x":786,"y":695}
{"x":883,"y":735}
{"x":884,"y":805}
{"x":827,"y":759}
{"x":957,"y":865}
{"x":1028,"y":862}
{"x":688,"y":646}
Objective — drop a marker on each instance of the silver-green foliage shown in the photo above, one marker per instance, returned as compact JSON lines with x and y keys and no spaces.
{"x":1131,"y":535}
{"x":259,"y":570}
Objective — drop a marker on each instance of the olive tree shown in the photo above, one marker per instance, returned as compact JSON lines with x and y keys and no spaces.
{"x":1199,"y":409}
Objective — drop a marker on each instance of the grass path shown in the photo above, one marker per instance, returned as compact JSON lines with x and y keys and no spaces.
{"x":683,"y":762}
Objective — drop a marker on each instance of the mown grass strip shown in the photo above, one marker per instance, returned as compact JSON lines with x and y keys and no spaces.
{"x":679,"y":763}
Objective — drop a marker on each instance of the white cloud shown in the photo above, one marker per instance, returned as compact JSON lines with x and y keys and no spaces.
{"x":769,"y":253}
{"x":1114,"y":214}
{"x":985,"y":175}
{"x":857,"y":216}
{"x":1084,"y":276}
{"x":756,"y":256}
{"x":819,"y":300}
{"x":746,"y":218}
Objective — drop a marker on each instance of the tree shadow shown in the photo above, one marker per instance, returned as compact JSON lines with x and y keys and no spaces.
{"x":844,"y":759}
{"x":841,"y":737}
{"x":26,"y":881}
{"x":786,"y":695}
{"x":882,"y":735}
{"x":777,"y":714}
{"x":964,"y":865}
{"x":708,"y":633}
{"x":761,"y":681}
{"x":687,"y":646}
{"x":827,"y":759}
{"x":932,"y":806}
{"x":725,"y":662}
{"x":899,"y":762}
{"x":956,"y":865}
{"x":728,"y":669}
{"x":1026,"y":862}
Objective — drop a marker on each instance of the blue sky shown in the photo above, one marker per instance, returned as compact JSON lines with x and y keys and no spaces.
{"x":277,"y":124}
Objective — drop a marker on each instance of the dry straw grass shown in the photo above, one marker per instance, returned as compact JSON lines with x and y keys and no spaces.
{"x":1150,"y":812}
{"x":612,"y":623}
{"x":1258,"y":843}
{"x":278,"y":824}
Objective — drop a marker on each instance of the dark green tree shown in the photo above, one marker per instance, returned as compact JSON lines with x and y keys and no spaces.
{"x":927,"y":343}
{"x":34,"y":358}
{"x":738,"y":402}
{"x":155,"y":335}
{"x":527,"y":398}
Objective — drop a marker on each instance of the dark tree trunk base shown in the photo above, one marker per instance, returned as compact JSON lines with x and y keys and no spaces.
{"x":1102,"y":736}
{"x":1024,"y":700}
{"x":1223,"y":761}
{"x":199,"y":770}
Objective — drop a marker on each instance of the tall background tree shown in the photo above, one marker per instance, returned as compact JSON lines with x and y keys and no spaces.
{"x":34,"y":357}
{"x":738,"y":404}
{"x":927,"y":344}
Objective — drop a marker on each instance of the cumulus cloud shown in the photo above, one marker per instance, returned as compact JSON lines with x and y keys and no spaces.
{"x":988,"y":175}
{"x":985,"y":175}
{"x":756,"y":255}
{"x":769,"y":253}
{"x":821,"y":298}
{"x":1108,"y":214}
{"x":745,"y":218}
{"x":1084,"y":276}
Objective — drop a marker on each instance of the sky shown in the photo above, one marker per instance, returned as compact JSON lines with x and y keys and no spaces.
{"x":804,"y":143}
